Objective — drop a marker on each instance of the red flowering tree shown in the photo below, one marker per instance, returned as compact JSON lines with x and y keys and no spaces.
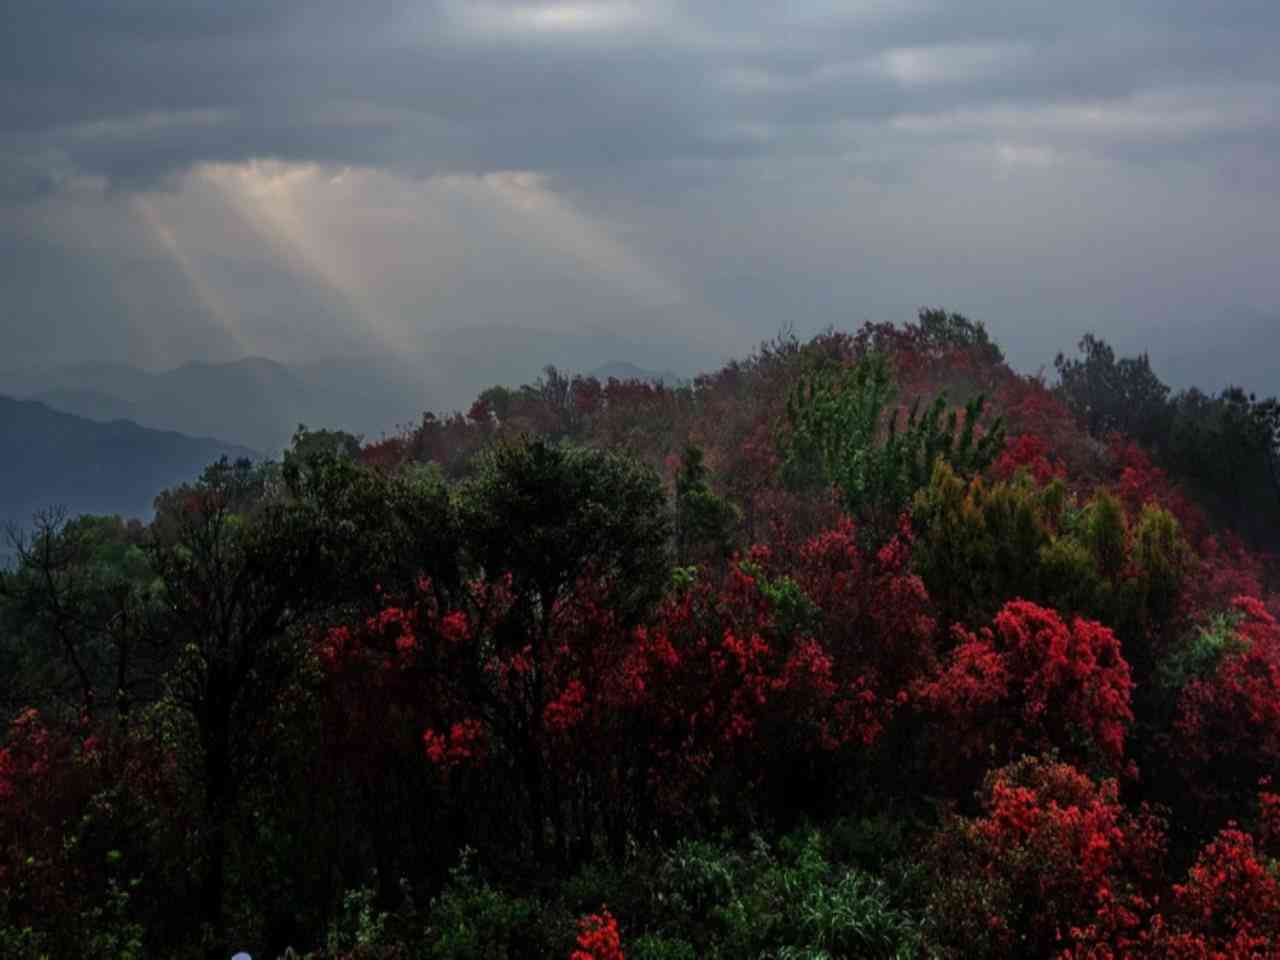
{"x":86,"y":813}
{"x":736,"y":687}
{"x":1231,"y":898}
{"x":764,"y":682}
{"x":1032,"y":681}
{"x":1226,"y":732}
{"x":1028,"y":452}
{"x":1228,"y":908}
{"x":1049,"y":851}
{"x":598,"y":938}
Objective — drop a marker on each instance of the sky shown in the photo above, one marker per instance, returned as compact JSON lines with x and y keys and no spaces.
{"x":213,"y":179}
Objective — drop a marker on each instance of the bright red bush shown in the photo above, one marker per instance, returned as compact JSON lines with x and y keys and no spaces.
{"x":1033,"y":682}
{"x":598,"y":938}
{"x":1051,"y":850}
{"x":1140,"y":482}
{"x":1227,"y":725}
{"x":1028,"y":452}
{"x":1231,"y":891}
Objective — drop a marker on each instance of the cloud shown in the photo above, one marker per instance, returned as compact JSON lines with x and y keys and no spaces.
{"x":306,"y":175}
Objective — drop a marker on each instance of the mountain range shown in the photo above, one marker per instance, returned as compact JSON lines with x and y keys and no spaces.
{"x":56,"y":459}
{"x":258,"y":403}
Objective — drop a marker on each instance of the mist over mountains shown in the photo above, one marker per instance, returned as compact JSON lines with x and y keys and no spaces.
{"x":258,"y":403}
{"x":56,"y":459}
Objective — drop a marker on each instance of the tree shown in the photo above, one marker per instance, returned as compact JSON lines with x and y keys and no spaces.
{"x":76,"y":609}
{"x":941,"y":332}
{"x":1050,"y":850}
{"x":1034,"y":681}
{"x":245,"y":558}
{"x":551,"y":517}
{"x":550,"y":514}
{"x":839,"y":434}
{"x":703,"y":519}
{"x":310,"y":444}
{"x":1109,"y":394}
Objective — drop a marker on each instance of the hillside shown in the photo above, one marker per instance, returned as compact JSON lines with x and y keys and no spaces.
{"x":860,"y":646}
{"x":55,"y":458}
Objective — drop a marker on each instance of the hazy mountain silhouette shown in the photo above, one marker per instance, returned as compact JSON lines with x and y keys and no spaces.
{"x":255,"y":402}
{"x":259,"y":403}
{"x":58,"y":459}
{"x":621,"y":370}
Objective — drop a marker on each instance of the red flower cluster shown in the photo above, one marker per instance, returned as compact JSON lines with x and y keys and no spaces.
{"x":464,"y":743}
{"x":1032,"y":682}
{"x":1052,"y":851}
{"x":1229,"y":722}
{"x":598,"y":938}
{"x":1028,"y":452}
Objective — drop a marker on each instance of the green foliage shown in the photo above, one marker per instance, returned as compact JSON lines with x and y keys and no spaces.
{"x":1160,"y":561}
{"x":71,"y":614}
{"x":549,"y":514}
{"x":651,"y":947}
{"x":696,"y":878}
{"x":791,"y":609}
{"x":470,"y":920}
{"x":979,"y":545}
{"x":942,"y":331}
{"x":1107,"y":394}
{"x":310,"y":446}
{"x":790,"y":902}
{"x":1226,"y":448}
{"x":840,"y":434}
{"x":1197,"y":656}
{"x":1103,"y":530}
{"x":358,"y":924}
{"x":705,"y":522}
{"x":113,"y":934}
{"x":683,"y":577}
{"x":22,"y":943}
{"x":873,"y":842}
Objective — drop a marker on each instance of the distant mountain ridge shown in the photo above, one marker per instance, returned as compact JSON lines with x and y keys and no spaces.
{"x":259,"y":403}
{"x":58,"y":459}
{"x":629,"y":371}
{"x":255,"y":402}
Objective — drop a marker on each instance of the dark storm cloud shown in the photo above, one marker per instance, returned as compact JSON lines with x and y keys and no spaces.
{"x":136,"y":90}
{"x":1094,"y":164}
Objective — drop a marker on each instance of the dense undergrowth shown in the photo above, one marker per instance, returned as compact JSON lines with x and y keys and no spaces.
{"x":861,"y":647}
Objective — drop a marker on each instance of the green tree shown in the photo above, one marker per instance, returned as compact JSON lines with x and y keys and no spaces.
{"x":247,"y":557}
{"x":550,"y":516}
{"x":941,"y":331}
{"x":72,"y":616}
{"x":1109,"y":394}
{"x":840,"y":434}
{"x":978,"y":545}
{"x":705,"y":521}
{"x":309,"y":444}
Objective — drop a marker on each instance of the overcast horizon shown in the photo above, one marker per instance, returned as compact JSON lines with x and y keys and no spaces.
{"x":207,"y":181}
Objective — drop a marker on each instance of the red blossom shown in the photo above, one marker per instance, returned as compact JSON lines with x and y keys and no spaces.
{"x":464,"y":743}
{"x":598,"y":938}
{"x":1028,"y":452}
{"x":1030,"y":681}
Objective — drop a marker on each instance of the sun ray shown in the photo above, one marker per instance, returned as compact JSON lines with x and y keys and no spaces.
{"x":213,"y":303}
{"x":266,"y":195}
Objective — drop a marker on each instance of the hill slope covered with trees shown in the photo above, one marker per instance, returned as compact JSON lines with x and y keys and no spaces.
{"x":861,"y":647}
{"x":55,"y":458}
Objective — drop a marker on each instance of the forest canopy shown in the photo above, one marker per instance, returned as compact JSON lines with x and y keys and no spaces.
{"x":861,"y":646}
